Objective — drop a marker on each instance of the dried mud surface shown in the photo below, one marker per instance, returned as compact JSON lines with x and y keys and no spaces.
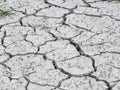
{"x":60,"y":45}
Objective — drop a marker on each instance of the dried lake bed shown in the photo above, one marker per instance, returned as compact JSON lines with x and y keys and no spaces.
{"x":59,"y":45}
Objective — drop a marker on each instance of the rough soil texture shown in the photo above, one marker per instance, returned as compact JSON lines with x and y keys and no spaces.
{"x":60,"y":45}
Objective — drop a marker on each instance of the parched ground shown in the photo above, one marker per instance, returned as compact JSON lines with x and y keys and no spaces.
{"x":60,"y":45}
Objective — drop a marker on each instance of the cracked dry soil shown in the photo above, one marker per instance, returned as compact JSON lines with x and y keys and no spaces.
{"x":60,"y":45}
